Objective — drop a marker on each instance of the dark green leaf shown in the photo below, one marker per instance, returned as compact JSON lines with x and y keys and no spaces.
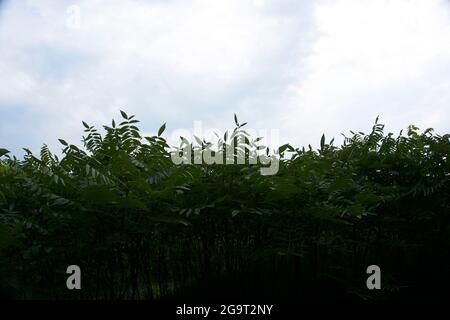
{"x":63,"y":142}
{"x":161,"y":129}
{"x":124,"y":115}
{"x":3,"y":152}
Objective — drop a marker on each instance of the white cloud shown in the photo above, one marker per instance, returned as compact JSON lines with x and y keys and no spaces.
{"x":163,"y":60}
{"x":387,"y":58}
{"x":298,"y":67}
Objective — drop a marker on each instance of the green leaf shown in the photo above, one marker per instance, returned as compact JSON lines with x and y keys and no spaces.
{"x":63,"y":142}
{"x":367,"y":198}
{"x":85,"y":125}
{"x":322,"y":142}
{"x":236,"y":120}
{"x":355,"y":210}
{"x":3,"y":152}
{"x":284,"y":147}
{"x":124,"y":115}
{"x":161,"y":130}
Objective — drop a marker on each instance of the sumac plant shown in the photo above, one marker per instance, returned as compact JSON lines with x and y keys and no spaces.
{"x":142,"y":227}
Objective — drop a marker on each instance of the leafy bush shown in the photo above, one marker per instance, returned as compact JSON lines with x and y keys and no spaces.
{"x":140,"y":226}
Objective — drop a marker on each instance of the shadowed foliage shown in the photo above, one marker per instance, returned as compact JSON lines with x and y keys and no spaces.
{"x":142,"y":227}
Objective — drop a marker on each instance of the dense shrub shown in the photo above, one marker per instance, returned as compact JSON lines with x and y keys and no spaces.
{"x":140,"y":226}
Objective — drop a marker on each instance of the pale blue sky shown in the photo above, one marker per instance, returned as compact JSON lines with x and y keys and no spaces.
{"x":302,"y":67}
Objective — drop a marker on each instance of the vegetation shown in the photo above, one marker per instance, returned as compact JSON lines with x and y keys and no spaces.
{"x":142,"y":227}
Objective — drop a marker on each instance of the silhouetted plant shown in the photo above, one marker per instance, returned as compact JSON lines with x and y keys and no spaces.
{"x":140,"y":226}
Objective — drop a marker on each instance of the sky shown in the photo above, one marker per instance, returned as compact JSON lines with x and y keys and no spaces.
{"x":301,"y":68}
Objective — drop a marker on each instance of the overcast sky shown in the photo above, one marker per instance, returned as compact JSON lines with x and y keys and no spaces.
{"x":302,"y":67}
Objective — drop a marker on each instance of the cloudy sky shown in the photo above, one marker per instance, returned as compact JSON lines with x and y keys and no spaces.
{"x":302,"y":67}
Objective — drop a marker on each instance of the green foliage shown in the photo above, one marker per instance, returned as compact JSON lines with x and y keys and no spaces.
{"x":3,"y":152}
{"x":140,"y":226}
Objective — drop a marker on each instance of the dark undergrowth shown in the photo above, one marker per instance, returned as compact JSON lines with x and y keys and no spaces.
{"x":141,"y":227}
